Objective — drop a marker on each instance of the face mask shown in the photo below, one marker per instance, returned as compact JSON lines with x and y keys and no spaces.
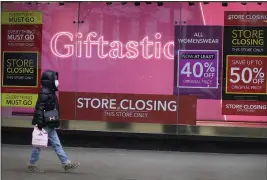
{"x":56,"y":83}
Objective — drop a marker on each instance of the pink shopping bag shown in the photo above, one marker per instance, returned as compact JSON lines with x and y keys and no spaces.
{"x":39,"y":138}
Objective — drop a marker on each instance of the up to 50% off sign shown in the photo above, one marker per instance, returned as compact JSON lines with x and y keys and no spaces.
{"x":246,"y":75}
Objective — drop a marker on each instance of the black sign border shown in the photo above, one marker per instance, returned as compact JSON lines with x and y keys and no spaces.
{"x":37,"y":69}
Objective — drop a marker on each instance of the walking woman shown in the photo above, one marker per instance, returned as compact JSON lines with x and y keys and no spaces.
{"x":47,"y":101}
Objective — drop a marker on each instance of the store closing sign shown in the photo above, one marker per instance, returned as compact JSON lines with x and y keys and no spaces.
{"x":119,"y":107}
{"x":244,"y":90}
{"x":21,"y":57}
{"x":20,"y":69}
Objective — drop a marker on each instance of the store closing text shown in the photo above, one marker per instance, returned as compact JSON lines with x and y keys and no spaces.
{"x":126,"y":104}
{"x":246,"y":107}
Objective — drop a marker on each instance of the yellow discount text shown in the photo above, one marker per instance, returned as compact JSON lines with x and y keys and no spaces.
{"x":19,"y":100}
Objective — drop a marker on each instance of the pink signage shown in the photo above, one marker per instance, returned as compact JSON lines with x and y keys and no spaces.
{"x":82,"y":47}
{"x":123,"y":48}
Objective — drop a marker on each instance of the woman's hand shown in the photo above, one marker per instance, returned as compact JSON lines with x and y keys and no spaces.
{"x":40,"y":127}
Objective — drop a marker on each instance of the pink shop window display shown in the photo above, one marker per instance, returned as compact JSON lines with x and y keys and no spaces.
{"x":128,"y":49}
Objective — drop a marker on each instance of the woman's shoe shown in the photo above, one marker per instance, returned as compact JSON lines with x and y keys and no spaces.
{"x":32,"y":168}
{"x":70,"y":166}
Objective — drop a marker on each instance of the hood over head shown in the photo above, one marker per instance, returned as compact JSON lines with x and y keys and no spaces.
{"x":48,"y":79}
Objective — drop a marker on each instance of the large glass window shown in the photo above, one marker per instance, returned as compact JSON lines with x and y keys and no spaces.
{"x":138,"y":67}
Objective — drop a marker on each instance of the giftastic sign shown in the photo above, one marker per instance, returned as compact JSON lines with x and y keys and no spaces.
{"x":83,"y":46}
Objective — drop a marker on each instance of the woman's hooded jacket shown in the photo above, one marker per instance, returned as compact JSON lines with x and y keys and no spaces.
{"x":47,"y":100}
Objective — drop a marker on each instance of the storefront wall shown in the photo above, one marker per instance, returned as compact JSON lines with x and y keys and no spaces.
{"x":125,"y":68}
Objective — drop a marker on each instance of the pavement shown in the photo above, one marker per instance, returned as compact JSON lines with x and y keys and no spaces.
{"x":112,"y":164}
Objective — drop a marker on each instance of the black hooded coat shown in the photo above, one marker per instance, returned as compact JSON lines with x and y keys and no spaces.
{"x":47,"y":100}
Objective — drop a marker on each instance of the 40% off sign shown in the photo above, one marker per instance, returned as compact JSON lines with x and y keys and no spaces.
{"x":198,"y":74}
{"x":198,"y":70}
{"x":246,"y":75}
